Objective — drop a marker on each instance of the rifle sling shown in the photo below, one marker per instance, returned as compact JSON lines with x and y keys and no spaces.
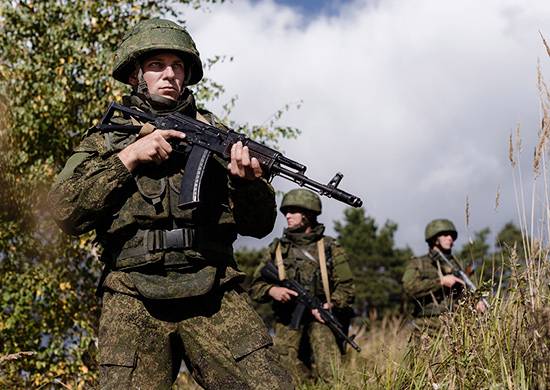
{"x":279,"y":262}
{"x":323,"y":267}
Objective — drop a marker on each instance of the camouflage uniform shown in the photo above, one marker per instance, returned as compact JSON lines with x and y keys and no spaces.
{"x":300,"y":255}
{"x":422,"y":283}
{"x":166,"y":299}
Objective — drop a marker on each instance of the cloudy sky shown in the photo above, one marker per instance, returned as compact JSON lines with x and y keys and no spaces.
{"x":413,"y":101}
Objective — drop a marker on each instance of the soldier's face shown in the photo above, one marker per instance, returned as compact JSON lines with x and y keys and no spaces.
{"x":294,"y":218}
{"x":444,"y":241}
{"x":164,"y":74}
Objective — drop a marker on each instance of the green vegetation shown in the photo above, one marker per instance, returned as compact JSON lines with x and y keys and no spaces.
{"x":54,"y":82}
{"x":376,"y":263}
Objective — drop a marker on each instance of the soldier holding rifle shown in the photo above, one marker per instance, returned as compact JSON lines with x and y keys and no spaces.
{"x":170,"y":286}
{"x":319,"y":264}
{"x":436,"y":280}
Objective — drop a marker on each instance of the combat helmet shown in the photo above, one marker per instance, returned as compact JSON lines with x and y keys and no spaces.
{"x":438,"y":226}
{"x":302,"y":198}
{"x":157,"y":34}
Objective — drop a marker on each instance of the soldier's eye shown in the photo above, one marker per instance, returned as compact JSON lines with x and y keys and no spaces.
{"x":155,"y":65}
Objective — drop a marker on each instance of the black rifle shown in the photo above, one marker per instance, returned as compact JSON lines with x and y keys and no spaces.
{"x":206,"y":139}
{"x":306,"y":301}
{"x":460,"y":274}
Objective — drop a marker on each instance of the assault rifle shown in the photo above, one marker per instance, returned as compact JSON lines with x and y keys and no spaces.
{"x":306,"y":301}
{"x":205,"y":139}
{"x":460,"y":274}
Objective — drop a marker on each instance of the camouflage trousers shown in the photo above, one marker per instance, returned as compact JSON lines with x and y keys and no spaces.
{"x":222,"y":340}
{"x":323,"y":348}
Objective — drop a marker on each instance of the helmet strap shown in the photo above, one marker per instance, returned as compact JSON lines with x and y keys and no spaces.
{"x":157,"y":102}
{"x":141,"y":87}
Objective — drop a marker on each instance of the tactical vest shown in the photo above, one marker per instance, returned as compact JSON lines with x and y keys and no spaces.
{"x":442,"y":299}
{"x":301,"y":263}
{"x":150,"y":228}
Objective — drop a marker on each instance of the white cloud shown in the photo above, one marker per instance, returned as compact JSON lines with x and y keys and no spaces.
{"x":412,"y":101}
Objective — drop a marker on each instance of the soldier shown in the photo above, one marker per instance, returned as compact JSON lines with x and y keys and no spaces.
{"x":430,"y":282}
{"x":170,"y":287}
{"x":319,"y":264}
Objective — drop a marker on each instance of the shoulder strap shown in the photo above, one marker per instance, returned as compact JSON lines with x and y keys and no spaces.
{"x":323,"y":267}
{"x":279,"y":261}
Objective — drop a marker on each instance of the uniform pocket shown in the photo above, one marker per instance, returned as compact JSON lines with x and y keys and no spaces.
{"x":247,"y":332}
{"x":118,"y":330}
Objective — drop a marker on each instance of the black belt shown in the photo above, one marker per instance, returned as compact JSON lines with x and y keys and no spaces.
{"x":158,"y":240}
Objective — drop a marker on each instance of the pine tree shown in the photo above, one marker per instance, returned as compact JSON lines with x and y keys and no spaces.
{"x":376,"y":263}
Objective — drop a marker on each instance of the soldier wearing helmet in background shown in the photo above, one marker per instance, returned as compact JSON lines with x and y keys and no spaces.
{"x":298,"y":256}
{"x":429,"y":281}
{"x":170,"y":286}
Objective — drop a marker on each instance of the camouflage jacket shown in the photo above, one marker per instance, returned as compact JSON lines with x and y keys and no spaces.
{"x":301,"y":260}
{"x":128,"y":211}
{"x":421,"y":282}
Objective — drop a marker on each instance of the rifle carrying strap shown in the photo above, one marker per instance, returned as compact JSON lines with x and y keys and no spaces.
{"x":323,"y":267}
{"x":279,"y":262}
{"x":201,"y":118}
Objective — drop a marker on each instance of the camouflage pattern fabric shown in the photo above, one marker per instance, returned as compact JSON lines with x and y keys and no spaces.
{"x":301,"y":262}
{"x":320,"y":340}
{"x":96,"y":191}
{"x":421,"y":282}
{"x":223,"y":341}
{"x":303,"y":199}
{"x":163,"y":306}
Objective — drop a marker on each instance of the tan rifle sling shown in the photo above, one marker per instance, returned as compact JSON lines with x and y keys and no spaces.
{"x":323,"y":267}
{"x":279,"y":262}
{"x":201,"y":118}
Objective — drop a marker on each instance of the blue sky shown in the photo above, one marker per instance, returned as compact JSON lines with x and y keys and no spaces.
{"x":313,"y":7}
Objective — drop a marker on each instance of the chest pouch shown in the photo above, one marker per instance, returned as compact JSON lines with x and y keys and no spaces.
{"x":151,"y":189}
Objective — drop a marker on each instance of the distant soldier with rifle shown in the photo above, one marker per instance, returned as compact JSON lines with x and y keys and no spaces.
{"x":308,"y":279}
{"x":436,"y":281}
{"x":170,"y":287}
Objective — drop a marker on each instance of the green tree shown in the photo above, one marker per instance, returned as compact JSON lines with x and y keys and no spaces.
{"x":54,"y":82}
{"x":510,"y":238}
{"x":477,"y":249}
{"x":376,"y":263}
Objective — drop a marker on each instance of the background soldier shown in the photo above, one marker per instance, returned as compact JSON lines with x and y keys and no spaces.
{"x":430,"y":282}
{"x":170,"y":282}
{"x":296,"y":256}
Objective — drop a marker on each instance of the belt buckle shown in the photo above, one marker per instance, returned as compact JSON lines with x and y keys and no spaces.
{"x":173,"y":239}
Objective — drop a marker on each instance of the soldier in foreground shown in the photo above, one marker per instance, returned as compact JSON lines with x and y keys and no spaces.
{"x":170,"y":284}
{"x":431,"y":281}
{"x":320,"y":265}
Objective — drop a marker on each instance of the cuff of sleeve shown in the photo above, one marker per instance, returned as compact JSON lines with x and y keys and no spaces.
{"x":265,"y":290}
{"x":122,"y":173}
{"x":238,"y":184}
